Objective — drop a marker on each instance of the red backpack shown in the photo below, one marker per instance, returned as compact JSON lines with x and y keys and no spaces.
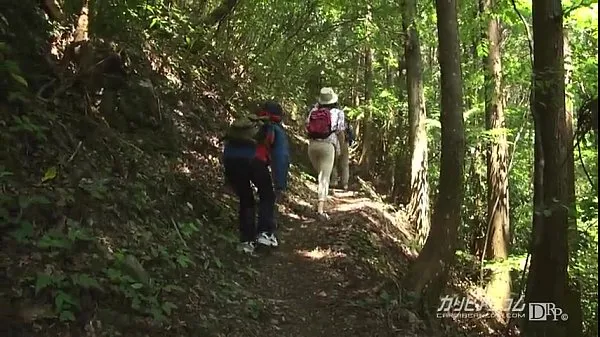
{"x":319,"y":123}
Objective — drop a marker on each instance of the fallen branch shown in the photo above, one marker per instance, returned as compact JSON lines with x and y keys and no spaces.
{"x":40,"y":92}
{"x":52,"y":8}
{"x":75,"y":152}
{"x":179,"y":233}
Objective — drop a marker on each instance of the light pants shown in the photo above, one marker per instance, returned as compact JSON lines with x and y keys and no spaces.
{"x":322,"y":155}
{"x":342,"y":164}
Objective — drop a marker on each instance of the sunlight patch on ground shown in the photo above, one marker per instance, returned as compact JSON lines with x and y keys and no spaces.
{"x":389,"y":217}
{"x":300,"y":201}
{"x":478,"y":295}
{"x":107,"y":243}
{"x":311,"y":186}
{"x":354,"y":205}
{"x":184,"y":168}
{"x":319,"y":254}
{"x":204,"y":157}
{"x":294,"y":216}
{"x":182,"y":126}
{"x":344,"y":194}
{"x":363,"y":203}
{"x":215,"y":141}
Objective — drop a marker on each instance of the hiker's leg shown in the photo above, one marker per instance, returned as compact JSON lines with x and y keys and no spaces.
{"x":328,"y":161}
{"x":261,"y":177}
{"x":344,"y":163}
{"x":313,"y":155}
{"x":334,"y":172}
{"x":327,"y":151}
{"x":237,"y":173}
{"x":338,"y":161}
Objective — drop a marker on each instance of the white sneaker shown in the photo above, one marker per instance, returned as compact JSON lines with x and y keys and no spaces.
{"x":267,"y":239}
{"x":247,"y":247}
{"x":323,"y":215}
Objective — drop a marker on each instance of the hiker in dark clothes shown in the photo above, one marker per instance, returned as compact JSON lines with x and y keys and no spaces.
{"x":247,"y":164}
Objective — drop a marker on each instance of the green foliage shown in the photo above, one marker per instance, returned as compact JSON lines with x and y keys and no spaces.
{"x":280,"y":49}
{"x":13,"y":84}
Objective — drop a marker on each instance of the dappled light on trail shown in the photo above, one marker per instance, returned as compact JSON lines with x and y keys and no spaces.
{"x":318,"y":254}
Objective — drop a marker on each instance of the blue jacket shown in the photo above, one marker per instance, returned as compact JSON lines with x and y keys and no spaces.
{"x":279,"y":156}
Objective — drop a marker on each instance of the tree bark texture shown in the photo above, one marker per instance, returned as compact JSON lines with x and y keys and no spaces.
{"x":498,"y":221}
{"x":430,"y":271}
{"x":548,"y":277}
{"x":417,"y":115}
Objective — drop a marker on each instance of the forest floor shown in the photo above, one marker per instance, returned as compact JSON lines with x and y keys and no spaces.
{"x":328,"y":278}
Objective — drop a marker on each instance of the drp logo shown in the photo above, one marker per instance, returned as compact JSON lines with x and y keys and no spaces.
{"x":543,"y":311}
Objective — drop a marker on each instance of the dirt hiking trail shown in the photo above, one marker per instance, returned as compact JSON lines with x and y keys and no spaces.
{"x":326,"y":277}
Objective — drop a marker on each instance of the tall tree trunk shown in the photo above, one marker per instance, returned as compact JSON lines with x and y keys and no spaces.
{"x":498,"y":223}
{"x":475,"y":182}
{"x":356,"y":81}
{"x":82,"y":29}
{"x":401,"y":185}
{"x":569,"y":110}
{"x":417,"y":115}
{"x":548,"y":277}
{"x":367,"y":135}
{"x":53,"y":9}
{"x":574,"y":294}
{"x":431,"y":268}
{"x":367,"y":122}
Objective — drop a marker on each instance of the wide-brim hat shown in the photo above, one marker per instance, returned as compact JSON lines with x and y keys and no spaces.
{"x":327,"y":96}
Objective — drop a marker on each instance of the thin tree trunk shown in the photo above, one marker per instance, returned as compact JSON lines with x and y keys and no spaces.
{"x":82,"y":29}
{"x":431,"y":268}
{"x":356,"y":81}
{"x":53,"y":9}
{"x":401,"y":185}
{"x":475,"y":184}
{"x":498,"y":289}
{"x":367,"y":141}
{"x":573,"y":292}
{"x":417,"y":115}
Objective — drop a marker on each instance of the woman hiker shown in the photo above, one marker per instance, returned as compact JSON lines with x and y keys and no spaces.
{"x":325,"y":125}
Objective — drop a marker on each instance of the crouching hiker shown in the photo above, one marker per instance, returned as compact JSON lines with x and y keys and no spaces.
{"x":252,"y":144}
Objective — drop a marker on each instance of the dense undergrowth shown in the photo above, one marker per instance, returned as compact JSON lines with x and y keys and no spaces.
{"x":109,"y":209}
